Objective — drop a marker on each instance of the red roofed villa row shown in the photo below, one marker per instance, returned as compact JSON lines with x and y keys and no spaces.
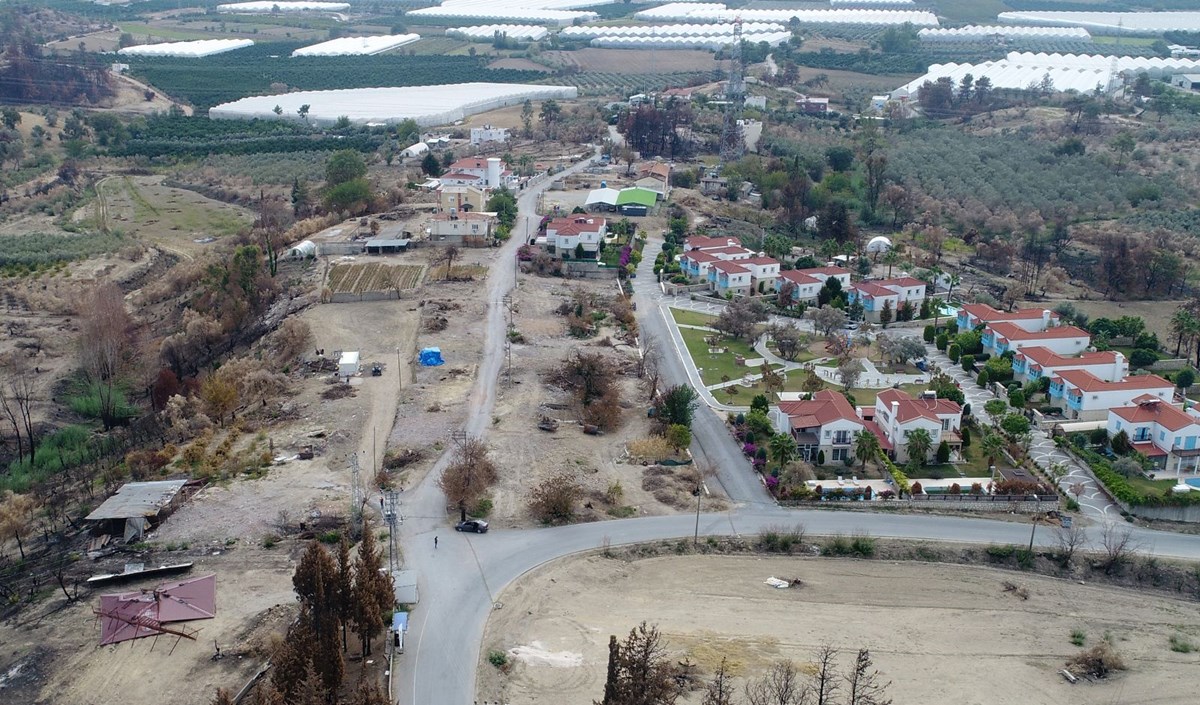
{"x":697,"y":242}
{"x":1031,"y":319}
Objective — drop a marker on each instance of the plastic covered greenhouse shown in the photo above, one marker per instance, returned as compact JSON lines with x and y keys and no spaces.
{"x":428,"y":105}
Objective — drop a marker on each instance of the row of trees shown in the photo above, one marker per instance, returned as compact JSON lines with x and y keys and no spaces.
{"x":641,"y":672}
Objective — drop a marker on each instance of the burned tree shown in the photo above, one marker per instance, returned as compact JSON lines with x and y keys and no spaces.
{"x":468,"y":475}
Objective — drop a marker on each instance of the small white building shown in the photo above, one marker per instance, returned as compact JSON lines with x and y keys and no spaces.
{"x":1160,"y":431}
{"x":566,"y":237}
{"x":487,"y":133}
{"x":1036,"y":362}
{"x":826,"y":424}
{"x":1086,"y":397}
{"x":999,"y":338}
{"x":348,"y":364}
{"x":1186,"y":81}
{"x":416,"y":150}
{"x":897,"y":415}
{"x":756,"y":101}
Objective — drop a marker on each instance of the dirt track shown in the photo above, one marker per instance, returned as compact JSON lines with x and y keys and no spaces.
{"x":940,"y":633}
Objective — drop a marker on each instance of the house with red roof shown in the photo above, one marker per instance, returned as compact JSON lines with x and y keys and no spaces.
{"x":1036,"y":362}
{"x":891,"y":294}
{"x":1002,"y":336}
{"x":729,"y":278}
{"x":807,"y":283}
{"x":564,"y":236}
{"x":1162,"y":432}
{"x":826,"y":423}
{"x":696,"y":262}
{"x":764,"y":272}
{"x":897,"y":415}
{"x":1086,"y":397}
{"x":971,"y":316}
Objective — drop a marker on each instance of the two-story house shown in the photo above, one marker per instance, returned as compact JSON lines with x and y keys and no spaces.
{"x":971,"y":316}
{"x":897,"y":415}
{"x":729,"y":278}
{"x":825,"y":423}
{"x":1086,"y":397}
{"x":1036,"y":362}
{"x":1168,"y":436}
{"x":999,"y":338}
{"x":464,"y":229}
{"x":695,"y":263}
{"x":764,"y":272}
{"x":563,"y":235}
{"x":807,"y":283}
{"x":891,"y":294}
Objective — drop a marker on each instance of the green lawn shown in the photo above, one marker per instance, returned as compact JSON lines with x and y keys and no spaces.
{"x":976,"y":466}
{"x":804,"y":356}
{"x":1151,"y":487}
{"x":715,"y":366}
{"x":692,"y":318}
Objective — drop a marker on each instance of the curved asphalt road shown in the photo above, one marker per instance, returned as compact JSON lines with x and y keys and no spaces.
{"x":460,"y":581}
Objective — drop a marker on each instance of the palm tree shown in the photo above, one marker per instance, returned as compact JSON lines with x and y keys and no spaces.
{"x":866,"y":446}
{"x":783,"y":448}
{"x":919,"y":444}
{"x":991,"y":445}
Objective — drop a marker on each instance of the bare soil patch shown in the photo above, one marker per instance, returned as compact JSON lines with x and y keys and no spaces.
{"x":519,"y":64}
{"x":940,"y":633}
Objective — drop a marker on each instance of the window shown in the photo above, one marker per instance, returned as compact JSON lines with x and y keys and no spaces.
{"x":945,"y":424}
{"x":840,"y":453}
{"x":827,"y":433}
{"x":841,"y":437}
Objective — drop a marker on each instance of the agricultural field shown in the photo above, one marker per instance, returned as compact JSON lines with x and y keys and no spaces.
{"x":144,"y":208}
{"x":628,"y":83}
{"x":635,"y":61}
{"x":373,"y":278}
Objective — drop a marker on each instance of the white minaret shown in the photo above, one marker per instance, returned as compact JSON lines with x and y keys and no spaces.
{"x":493,"y":172}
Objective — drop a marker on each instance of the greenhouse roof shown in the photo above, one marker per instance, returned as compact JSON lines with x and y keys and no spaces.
{"x":637,"y":196}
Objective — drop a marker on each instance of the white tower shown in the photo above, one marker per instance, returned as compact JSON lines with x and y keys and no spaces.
{"x":493,"y":172}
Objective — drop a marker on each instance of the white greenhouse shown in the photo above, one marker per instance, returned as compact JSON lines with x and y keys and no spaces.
{"x":196,"y":49}
{"x":717,"y":12}
{"x":711,"y":43}
{"x":261,"y":7}
{"x":487,"y":32}
{"x":1144,"y":23}
{"x":670,"y":30}
{"x":1082,"y":73}
{"x":871,"y":3}
{"x":357,"y":46}
{"x":547,"y":12}
{"x":983,"y":33}
{"x":428,"y":105}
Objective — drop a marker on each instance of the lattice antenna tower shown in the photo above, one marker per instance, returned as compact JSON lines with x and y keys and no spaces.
{"x":732,"y":143}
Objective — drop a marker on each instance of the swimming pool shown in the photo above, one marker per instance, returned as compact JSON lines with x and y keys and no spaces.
{"x":1193,"y":481}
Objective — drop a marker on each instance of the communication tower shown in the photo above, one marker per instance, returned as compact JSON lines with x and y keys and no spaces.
{"x":733,"y":145}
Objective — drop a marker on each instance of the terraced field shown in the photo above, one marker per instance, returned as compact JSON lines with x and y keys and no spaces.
{"x":375,"y":277}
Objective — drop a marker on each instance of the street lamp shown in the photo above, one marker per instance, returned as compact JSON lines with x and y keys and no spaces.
{"x":1033,"y":529}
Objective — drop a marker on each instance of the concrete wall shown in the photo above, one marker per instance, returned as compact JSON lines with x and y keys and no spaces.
{"x":588,"y":270}
{"x":1168,"y":365}
{"x":341,"y":248}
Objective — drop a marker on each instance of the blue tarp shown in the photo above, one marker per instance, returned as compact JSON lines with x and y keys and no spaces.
{"x":432,"y":357}
{"x":399,"y":621}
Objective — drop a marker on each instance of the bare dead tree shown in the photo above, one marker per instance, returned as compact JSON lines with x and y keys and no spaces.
{"x":105,"y":341}
{"x":719,"y":690}
{"x":468,"y":476}
{"x":779,"y":686}
{"x":17,"y":396}
{"x":1119,"y":545}
{"x":825,"y":681}
{"x":863,"y":685}
{"x":1071,"y":539}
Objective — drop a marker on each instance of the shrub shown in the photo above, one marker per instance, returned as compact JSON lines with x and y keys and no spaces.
{"x":1017,"y":399}
{"x":916,"y":489}
{"x":941,"y":341}
{"x":1180,"y":645}
{"x":837,"y":545}
{"x":943,"y":453}
{"x":982,"y":379}
{"x":1185,"y":379}
{"x":778,"y":539}
{"x":929,"y":334}
{"x":1015,"y":424}
{"x":968,"y":362}
{"x":553,"y":501}
{"x":1098,"y":661}
{"x":1002,"y":553}
{"x":1143,"y":357}
{"x":966,"y":434}
{"x":953,"y":352}
{"x":862,"y":545}
{"x":482,"y":508}
{"x":498,"y":658}
{"x":820,"y":457}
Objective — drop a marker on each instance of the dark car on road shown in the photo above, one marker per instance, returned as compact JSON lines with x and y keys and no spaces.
{"x":477,"y":526}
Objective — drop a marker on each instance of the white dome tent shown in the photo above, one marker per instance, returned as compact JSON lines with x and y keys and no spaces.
{"x":878,"y":245}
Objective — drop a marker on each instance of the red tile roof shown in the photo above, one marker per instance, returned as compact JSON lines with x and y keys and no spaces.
{"x":759,"y":260}
{"x":908,"y":408}
{"x":827,"y":271}
{"x":987,"y":314}
{"x":1011,"y":331}
{"x":798,"y":277}
{"x":460,"y":176}
{"x":902,"y":281}
{"x":729,"y":267}
{"x":1154,"y":410}
{"x":826,"y":406}
{"x":884,"y":441}
{"x":1048,"y":358}
{"x":697,"y":242}
{"x":1088,"y":382}
{"x":575,"y":225}
{"x":700,"y":256}
{"x":1148,"y":449}
{"x":473,"y":163}
{"x":729,"y":251}
{"x":873,"y":289}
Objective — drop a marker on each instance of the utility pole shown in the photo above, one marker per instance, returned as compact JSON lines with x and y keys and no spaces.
{"x":391,"y":514}
{"x":508,"y":302}
{"x":1033,"y":528}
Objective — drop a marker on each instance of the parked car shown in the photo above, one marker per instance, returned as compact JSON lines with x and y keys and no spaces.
{"x":478,"y":526}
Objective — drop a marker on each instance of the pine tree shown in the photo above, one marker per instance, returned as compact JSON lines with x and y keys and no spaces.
{"x":267,"y":694}
{"x":291,"y":659}
{"x":222,"y":697}
{"x":311,"y":690}
{"x":345,"y":586}
{"x":612,"y":694}
{"x":369,"y":693}
{"x":373,"y":593}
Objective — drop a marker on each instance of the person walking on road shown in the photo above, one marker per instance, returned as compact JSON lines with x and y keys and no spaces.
{"x":435,"y":543}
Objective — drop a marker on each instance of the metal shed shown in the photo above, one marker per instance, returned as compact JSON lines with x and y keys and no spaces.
{"x":380,"y":246}
{"x":135,"y":506}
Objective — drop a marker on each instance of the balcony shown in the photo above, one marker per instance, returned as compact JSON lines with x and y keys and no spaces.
{"x":1075,"y":401}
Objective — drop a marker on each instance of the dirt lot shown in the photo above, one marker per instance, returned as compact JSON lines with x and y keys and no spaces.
{"x":940,"y":633}
{"x":528,"y":456}
{"x":635,"y":60}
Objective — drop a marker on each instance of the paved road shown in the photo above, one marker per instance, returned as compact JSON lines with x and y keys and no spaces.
{"x":460,"y":579}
